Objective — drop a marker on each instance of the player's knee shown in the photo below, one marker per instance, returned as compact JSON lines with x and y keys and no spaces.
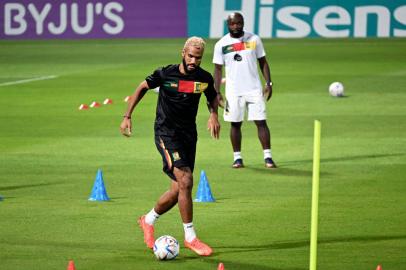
{"x":261,"y":123}
{"x":174,"y":193}
{"x":185,"y":183}
{"x":236,"y":124}
{"x":184,"y":178}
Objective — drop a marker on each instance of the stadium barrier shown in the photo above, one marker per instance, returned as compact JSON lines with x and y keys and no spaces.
{"x":46,"y":19}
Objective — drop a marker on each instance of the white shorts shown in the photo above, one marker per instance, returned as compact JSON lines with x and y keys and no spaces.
{"x":235,"y":107}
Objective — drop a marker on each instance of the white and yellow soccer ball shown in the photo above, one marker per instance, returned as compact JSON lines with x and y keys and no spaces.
{"x":166,"y":248}
{"x":336,"y":89}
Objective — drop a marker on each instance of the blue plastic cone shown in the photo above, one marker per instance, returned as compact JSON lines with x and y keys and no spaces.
{"x":203,"y":193}
{"x":99,"y":191}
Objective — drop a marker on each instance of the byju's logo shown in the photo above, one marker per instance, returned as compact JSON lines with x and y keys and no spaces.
{"x":58,"y":18}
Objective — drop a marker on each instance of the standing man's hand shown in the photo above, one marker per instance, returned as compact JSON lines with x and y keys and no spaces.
{"x":263,"y":64}
{"x":220,"y":99}
{"x":218,"y":81}
{"x":214,"y":126}
{"x":125,"y":127}
{"x":268,"y":92}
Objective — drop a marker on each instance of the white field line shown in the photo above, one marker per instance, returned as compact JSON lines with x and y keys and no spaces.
{"x":29,"y":80}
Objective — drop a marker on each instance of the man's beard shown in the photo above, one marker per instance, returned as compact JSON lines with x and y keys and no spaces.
{"x":186,"y":69}
{"x":236,"y":33}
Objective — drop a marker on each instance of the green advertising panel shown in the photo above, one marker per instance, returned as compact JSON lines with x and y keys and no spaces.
{"x":300,"y":19}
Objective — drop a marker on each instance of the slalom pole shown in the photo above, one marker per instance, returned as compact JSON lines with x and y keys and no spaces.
{"x":315,"y":195}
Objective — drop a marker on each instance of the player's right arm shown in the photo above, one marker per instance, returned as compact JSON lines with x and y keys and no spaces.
{"x":126,"y":124}
{"x":218,"y":62}
{"x":218,"y":74}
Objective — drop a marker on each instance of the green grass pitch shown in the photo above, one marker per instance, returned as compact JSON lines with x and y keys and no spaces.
{"x":50,"y":153}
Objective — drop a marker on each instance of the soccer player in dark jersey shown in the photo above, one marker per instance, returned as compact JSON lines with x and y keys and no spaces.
{"x":180,"y":89}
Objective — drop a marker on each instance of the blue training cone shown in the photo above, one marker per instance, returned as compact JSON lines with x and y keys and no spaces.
{"x":203,"y":193}
{"x":99,"y":191}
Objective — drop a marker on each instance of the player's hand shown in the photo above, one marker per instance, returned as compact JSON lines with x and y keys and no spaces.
{"x":214,"y":126}
{"x":220,"y":100}
{"x":125,"y":127}
{"x":268,"y":92}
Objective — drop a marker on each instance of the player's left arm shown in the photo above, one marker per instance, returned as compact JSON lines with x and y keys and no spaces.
{"x":266,"y":72}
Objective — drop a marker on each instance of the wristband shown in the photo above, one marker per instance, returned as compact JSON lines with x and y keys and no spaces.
{"x":126,"y":116}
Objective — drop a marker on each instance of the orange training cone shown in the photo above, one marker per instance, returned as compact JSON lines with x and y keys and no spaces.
{"x":95,"y":104}
{"x":220,"y":267}
{"x":379,"y":267}
{"x":71,"y":266}
{"x":83,"y":107}
{"x":107,"y":101}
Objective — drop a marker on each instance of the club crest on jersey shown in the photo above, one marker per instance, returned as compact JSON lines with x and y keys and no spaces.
{"x":175,"y":156}
{"x":200,"y":87}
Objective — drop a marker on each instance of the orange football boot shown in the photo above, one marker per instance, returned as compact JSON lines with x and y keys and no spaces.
{"x":148,"y":232}
{"x":199,"y":247}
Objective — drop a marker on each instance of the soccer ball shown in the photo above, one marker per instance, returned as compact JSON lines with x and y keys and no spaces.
{"x":166,"y":248}
{"x":336,"y":89}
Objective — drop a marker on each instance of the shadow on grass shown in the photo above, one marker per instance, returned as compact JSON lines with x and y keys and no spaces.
{"x":281,"y":171}
{"x":239,"y":265}
{"x":306,"y":243}
{"x":345,"y":158}
{"x":140,"y":254}
{"x":211,"y":262}
{"x":214,"y":262}
{"x":117,"y":199}
{"x":15,"y":187}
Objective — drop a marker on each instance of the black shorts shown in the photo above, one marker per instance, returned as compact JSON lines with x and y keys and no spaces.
{"x":176,"y":151}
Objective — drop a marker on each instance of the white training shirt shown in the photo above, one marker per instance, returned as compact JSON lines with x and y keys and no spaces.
{"x":242,"y":77}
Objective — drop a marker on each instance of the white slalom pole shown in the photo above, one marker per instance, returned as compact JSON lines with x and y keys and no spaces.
{"x":315,"y":195}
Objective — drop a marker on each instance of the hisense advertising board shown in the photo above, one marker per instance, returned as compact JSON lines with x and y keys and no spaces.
{"x":301,"y":19}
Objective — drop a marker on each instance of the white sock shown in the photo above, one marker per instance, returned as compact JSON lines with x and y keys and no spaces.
{"x":237,"y":155}
{"x":267,"y":153}
{"x":151,"y":217}
{"x":190,"y":233}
